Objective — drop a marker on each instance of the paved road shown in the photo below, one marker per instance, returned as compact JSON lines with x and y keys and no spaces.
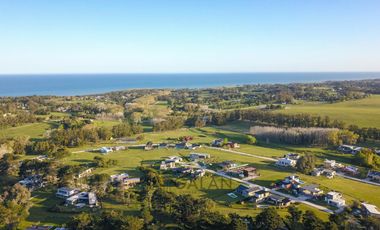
{"x":271,"y":159}
{"x":294,"y":199}
{"x":357,"y":179}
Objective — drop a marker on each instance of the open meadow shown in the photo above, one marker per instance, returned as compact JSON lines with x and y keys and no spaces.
{"x":363,"y":112}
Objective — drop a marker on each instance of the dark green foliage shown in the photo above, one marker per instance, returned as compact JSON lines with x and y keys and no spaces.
{"x":306,"y":163}
{"x":268,"y":219}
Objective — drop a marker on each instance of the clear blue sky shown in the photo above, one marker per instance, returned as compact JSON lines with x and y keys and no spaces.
{"x":79,"y":36}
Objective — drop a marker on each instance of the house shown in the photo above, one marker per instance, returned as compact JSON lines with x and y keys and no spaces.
{"x":32,"y":182}
{"x":370,"y":210}
{"x":249,"y":171}
{"x":278,"y":200}
{"x":167,"y":165}
{"x":286,"y":162}
{"x":317,"y":172}
{"x":260,"y":196}
{"x":346,"y":148}
{"x":293,"y":156}
{"x":349,"y":149}
{"x":350,"y":170}
{"x":217,"y":143}
{"x":247,"y":191}
{"x":184,"y":145}
{"x":148,"y":146}
{"x":329,"y":164}
{"x":119,"y":178}
{"x":174,"y":159}
{"x":374,"y":175}
{"x":105,"y":150}
{"x":357,"y":150}
{"x":119,"y":148}
{"x":241,"y":188}
{"x":232,"y":145}
{"x":85,"y":173}
{"x":311,"y":190}
{"x":199,"y":156}
{"x":198,"y":173}
{"x":335,"y":199}
{"x":87,"y":198}
{"x":66,"y":192}
{"x":183,"y":170}
{"x":228,"y":164}
{"x":187,"y":138}
{"x":163,"y":145}
{"x":291,"y":182}
{"x":131,"y":182}
{"x":329,"y":173}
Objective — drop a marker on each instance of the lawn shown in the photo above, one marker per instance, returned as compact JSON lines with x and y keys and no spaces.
{"x":363,"y":112}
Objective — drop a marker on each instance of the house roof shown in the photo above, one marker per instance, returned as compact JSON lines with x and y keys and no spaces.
{"x":371,"y":208}
{"x":311,"y":188}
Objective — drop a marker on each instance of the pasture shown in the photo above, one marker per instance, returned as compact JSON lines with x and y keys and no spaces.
{"x":364,"y":112}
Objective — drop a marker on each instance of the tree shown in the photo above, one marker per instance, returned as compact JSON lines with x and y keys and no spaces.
{"x":268,"y":219}
{"x":134,"y":223}
{"x":14,"y":206}
{"x":104,"y":133}
{"x":99,"y":183}
{"x":83,"y":221}
{"x":19,"y":145}
{"x":251,"y":140}
{"x":311,"y":221}
{"x":9,"y":165}
{"x":152,"y":177}
{"x":306,"y":163}
{"x":293,"y":221}
{"x":366,"y":157}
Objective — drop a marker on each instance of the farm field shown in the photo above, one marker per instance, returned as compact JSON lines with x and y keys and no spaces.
{"x":363,"y":112}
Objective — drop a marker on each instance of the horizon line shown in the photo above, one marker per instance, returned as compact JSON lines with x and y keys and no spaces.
{"x":184,"y":73}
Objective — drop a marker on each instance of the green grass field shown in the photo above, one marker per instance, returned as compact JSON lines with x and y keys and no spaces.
{"x":34,"y":130}
{"x":363,"y":112}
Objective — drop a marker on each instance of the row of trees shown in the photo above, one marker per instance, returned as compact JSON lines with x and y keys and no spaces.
{"x":308,"y":136}
{"x":79,"y":136}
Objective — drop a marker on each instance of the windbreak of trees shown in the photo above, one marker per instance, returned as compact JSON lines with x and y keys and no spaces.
{"x":309,"y":136}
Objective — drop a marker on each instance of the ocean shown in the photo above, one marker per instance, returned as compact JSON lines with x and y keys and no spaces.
{"x":85,"y":84}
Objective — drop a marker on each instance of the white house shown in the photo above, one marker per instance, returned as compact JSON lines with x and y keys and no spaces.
{"x":370,"y":210}
{"x":174,"y":159}
{"x":105,"y":150}
{"x":167,"y":165}
{"x":197,"y":156}
{"x":286,"y":162}
{"x":329,"y":164}
{"x":87,"y":198}
{"x":66,"y":192}
{"x":335,"y":199}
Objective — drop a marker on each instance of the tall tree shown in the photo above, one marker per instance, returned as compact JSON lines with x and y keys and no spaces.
{"x":269,"y":219}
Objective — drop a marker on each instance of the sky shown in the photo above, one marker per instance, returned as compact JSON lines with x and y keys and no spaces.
{"x":189,"y":36}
